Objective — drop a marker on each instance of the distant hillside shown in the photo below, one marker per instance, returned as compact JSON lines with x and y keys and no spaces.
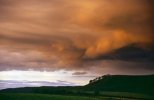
{"x":123,"y":83}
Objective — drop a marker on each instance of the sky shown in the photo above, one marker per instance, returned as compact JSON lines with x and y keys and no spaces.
{"x":69,"y":42}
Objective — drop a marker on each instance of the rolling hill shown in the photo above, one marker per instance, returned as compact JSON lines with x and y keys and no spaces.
{"x":123,"y":83}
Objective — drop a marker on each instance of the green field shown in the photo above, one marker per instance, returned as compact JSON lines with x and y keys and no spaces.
{"x":112,"y":96}
{"x":127,"y":95}
{"x":16,"y":96}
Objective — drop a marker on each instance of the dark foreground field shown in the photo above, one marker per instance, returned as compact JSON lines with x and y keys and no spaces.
{"x":108,"y":96}
{"x":41,"y":97}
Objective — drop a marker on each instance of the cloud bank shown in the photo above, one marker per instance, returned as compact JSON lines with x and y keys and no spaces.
{"x":76,"y":35}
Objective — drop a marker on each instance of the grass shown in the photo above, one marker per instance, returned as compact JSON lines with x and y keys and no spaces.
{"x":17,"y":96}
{"x":109,"y":96}
{"x":128,"y":95}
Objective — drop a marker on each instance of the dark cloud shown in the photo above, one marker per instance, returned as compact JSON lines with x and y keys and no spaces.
{"x":79,"y":73}
{"x":130,"y":53}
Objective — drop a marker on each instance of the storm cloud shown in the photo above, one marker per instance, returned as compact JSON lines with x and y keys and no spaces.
{"x":81,"y":35}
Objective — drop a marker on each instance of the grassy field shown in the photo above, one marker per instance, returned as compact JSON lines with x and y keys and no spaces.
{"x":128,"y":95}
{"x":112,"y":96}
{"x":13,"y":96}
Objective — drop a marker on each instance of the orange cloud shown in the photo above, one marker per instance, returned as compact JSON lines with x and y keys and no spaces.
{"x":66,"y":32}
{"x":113,"y":41}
